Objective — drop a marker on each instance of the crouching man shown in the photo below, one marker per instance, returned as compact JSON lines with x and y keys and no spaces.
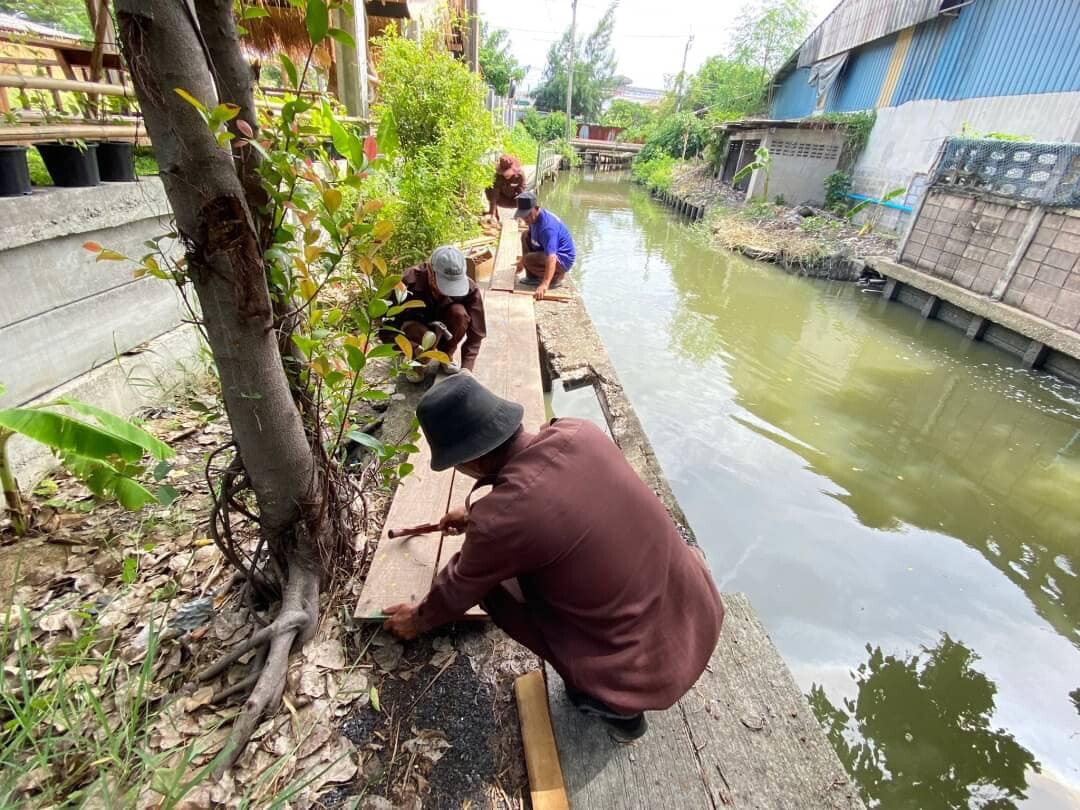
{"x":571,"y":555}
{"x":453,"y":310}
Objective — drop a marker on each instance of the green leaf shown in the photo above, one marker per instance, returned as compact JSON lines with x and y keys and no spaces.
{"x":428,"y":341}
{"x":385,"y":350}
{"x":404,"y":469}
{"x":366,"y":440}
{"x":254,"y":13}
{"x":306,"y":345}
{"x":317,"y":20}
{"x":290,"y":71}
{"x":413,"y":303}
{"x":374,"y":697}
{"x":104,"y":480}
{"x":332,"y":199}
{"x":357,"y":359}
{"x":377,"y":308}
{"x":190,"y":99}
{"x":131,"y":570}
{"x":386,"y":285}
{"x":374,"y":395}
{"x":344,"y":37}
{"x":166,"y":495}
{"x":67,"y":435}
{"x":110,"y":256}
{"x":387,"y":137}
{"x":121,"y":427}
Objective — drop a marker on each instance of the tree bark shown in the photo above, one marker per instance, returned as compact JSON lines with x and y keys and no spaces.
{"x":165,"y":50}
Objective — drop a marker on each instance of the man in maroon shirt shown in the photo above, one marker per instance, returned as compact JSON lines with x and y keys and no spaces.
{"x":571,"y":554}
{"x":453,"y":309}
{"x":509,"y":183}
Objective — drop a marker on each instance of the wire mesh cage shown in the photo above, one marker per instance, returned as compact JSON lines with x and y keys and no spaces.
{"x":1043,"y":173}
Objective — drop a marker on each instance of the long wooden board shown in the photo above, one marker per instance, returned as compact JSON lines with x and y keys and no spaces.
{"x":541,"y":757}
{"x":742,"y":737}
{"x":402,"y":570}
{"x":507,"y":255}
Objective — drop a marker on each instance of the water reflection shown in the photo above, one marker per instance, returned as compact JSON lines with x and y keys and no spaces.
{"x":859,"y":472}
{"x":920,"y":733}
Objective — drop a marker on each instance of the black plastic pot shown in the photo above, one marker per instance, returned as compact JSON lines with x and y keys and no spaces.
{"x":116,"y":161}
{"x":14,"y":173}
{"x":70,"y":165}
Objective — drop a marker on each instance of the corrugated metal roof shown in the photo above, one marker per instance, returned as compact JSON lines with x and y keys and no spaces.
{"x":21,"y":25}
{"x":856,"y":22}
{"x":793,"y":97}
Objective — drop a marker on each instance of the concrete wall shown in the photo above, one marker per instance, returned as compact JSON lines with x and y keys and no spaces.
{"x":970,"y":242}
{"x":906,"y":139}
{"x":801,"y":160}
{"x":84,"y":328}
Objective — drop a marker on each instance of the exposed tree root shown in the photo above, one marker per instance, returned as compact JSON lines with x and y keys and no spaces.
{"x":295,"y":624}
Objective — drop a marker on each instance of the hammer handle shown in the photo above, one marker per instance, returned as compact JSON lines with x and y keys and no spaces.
{"x":409,"y":531}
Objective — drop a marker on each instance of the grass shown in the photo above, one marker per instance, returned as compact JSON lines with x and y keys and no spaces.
{"x":747,"y":231}
{"x":519,"y":143}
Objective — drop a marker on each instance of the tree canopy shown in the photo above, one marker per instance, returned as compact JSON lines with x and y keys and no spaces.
{"x":595,"y":78}
{"x":767,"y":32}
{"x":69,"y":16}
{"x":498,"y":64}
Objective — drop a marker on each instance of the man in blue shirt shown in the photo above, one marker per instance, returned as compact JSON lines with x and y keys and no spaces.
{"x":547,"y":249}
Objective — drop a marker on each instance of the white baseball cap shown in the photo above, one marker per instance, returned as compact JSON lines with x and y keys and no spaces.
{"x":449,"y":265}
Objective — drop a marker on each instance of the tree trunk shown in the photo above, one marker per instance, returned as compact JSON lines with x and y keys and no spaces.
{"x":166,"y":50}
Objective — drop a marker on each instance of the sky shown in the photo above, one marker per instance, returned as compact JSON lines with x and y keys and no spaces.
{"x":650,"y":35}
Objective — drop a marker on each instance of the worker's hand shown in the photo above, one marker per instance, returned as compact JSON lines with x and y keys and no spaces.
{"x":454,"y":521}
{"x":541,"y":291}
{"x":520,"y":263}
{"x":403,"y":621}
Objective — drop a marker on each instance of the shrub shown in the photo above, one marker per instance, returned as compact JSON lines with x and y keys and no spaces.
{"x":544,"y":128}
{"x":656,"y":174}
{"x":672,"y":134}
{"x":519,"y":143}
{"x":444,"y":136}
{"x":837,"y":186}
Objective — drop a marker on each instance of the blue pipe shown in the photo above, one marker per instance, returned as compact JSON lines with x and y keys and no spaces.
{"x":907,"y":209}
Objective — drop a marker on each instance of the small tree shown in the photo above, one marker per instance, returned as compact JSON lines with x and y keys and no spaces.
{"x":498,"y":65}
{"x":762,"y":162}
{"x":595,"y":78}
{"x":291,"y":288}
{"x":767,"y":32}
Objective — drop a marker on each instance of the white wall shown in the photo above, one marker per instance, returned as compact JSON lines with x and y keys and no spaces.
{"x":906,"y":139}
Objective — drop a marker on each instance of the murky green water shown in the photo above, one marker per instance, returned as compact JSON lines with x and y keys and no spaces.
{"x":902,"y":506}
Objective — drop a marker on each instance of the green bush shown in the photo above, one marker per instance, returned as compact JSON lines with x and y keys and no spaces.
{"x":837,"y":186}
{"x":656,"y":173}
{"x":435,"y":110}
{"x":519,"y":143}
{"x":545,"y":128}
{"x":672,"y":134}
{"x":39,"y":175}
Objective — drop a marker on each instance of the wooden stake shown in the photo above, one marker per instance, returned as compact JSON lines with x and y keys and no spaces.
{"x":562,"y":299}
{"x":541,"y":755}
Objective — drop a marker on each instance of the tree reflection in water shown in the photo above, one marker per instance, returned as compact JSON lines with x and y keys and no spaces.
{"x":918,"y":733}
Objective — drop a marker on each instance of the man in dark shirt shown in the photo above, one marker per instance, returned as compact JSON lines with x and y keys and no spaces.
{"x":509,"y":183}
{"x":547,"y":249}
{"x":453,"y":309}
{"x":571,"y":554}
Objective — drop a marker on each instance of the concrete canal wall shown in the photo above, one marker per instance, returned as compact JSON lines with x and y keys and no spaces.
{"x":72,"y":326}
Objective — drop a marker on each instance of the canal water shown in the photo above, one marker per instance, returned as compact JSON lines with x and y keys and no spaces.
{"x":901,"y":505}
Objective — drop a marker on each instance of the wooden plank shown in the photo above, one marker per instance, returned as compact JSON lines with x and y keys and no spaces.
{"x":525,"y":383}
{"x":742,"y":737}
{"x":402,"y":570}
{"x":452,"y":543}
{"x":541,"y":757}
{"x":507,"y":255}
{"x":659,"y":772}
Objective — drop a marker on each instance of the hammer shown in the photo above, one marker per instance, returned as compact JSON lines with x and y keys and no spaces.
{"x":410,"y":531}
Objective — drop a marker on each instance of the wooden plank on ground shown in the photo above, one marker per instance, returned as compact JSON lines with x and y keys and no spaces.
{"x":507,"y":255}
{"x":402,"y":570}
{"x":541,"y":757}
{"x":743,"y":737}
{"x":452,"y":543}
{"x":525,"y":383}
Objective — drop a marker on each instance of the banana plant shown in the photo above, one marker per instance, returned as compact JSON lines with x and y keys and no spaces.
{"x":762,"y":162}
{"x":106,"y":453}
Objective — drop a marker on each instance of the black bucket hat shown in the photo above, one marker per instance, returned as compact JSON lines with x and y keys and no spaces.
{"x":462,"y":421}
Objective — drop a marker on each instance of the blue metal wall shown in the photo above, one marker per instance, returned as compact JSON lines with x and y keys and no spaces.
{"x":793,"y":97}
{"x":992,"y":48}
{"x":860,"y":83}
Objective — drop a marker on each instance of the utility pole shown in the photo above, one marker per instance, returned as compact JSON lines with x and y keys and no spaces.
{"x":570,"y":75}
{"x":682,"y":73}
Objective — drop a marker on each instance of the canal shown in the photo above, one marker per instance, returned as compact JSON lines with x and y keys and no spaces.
{"x":901,"y":505}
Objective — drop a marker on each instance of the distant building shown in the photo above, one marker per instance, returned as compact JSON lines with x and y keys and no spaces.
{"x":639,"y":95}
{"x":932,"y":69}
